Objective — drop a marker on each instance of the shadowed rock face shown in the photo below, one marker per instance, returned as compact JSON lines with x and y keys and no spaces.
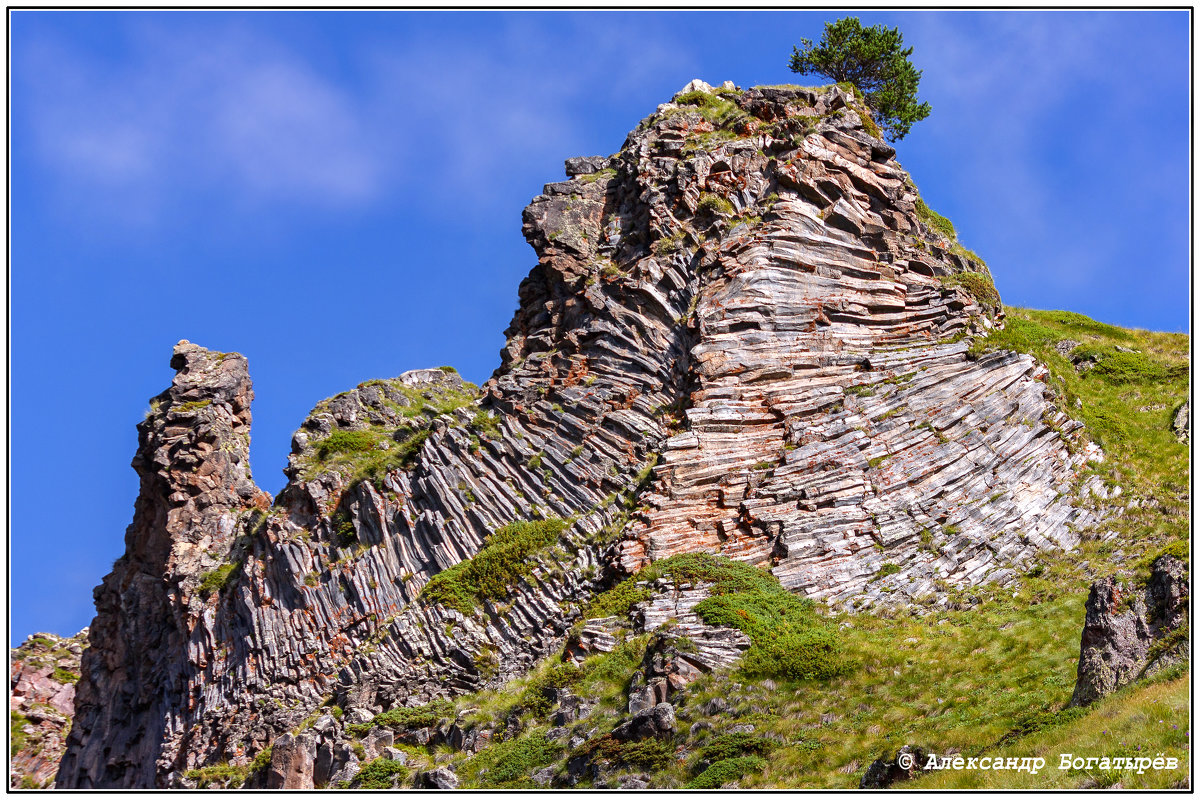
{"x":1132,"y":630}
{"x":745,"y":301}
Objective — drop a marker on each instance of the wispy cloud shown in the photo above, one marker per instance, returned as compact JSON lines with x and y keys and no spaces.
{"x":183,"y":112}
{"x":229,"y":112}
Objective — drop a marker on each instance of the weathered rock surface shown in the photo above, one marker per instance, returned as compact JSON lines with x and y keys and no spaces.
{"x":41,"y":703}
{"x":1182,"y":423}
{"x":739,"y":338}
{"x":1132,"y":629}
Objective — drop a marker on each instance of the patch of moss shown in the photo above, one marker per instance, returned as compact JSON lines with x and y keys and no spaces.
{"x":509,"y":764}
{"x":714,"y":204}
{"x":887,"y":569}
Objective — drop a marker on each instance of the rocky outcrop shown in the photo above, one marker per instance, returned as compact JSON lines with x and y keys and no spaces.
{"x":1181,"y":423}
{"x":150,"y":636}
{"x":741,"y":337}
{"x":1132,"y":629}
{"x":42,"y":673}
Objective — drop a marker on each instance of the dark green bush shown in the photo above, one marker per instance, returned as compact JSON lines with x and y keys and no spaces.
{"x":732,"y":745}
{"x":381,"y":774}
{"x":505,"y":558}
{"x":726,"y":771}
{"x":512,"y":761}
{"x":536,"y":697}
{"x":788,"y":638}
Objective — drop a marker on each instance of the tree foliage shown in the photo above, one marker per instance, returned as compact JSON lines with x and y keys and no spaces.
{"x":874,"y":60}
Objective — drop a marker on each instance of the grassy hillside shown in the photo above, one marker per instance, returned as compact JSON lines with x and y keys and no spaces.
{"x":990,"y":675}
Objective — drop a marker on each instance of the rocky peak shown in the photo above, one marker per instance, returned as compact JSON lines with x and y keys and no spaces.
{"x":744,"y":335}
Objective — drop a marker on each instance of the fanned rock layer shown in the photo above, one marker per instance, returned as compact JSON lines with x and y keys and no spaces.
{"x":741,"y":337}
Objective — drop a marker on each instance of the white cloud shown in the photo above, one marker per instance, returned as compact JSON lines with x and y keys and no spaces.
{"x":182,"y":113}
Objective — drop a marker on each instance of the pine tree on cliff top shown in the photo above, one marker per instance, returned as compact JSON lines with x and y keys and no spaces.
{"x":874,"y":60}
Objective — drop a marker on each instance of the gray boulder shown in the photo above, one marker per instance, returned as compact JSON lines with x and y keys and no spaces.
{"x":1131,"y":630}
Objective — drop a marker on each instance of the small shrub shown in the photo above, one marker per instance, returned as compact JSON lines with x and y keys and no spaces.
{"x":788,"y":639}
{"x":510,"y":763}
{"x":505,"y":558}
{"x":617,"y":601}
{"x":225,"y":775}
{"x":215,"y":580}
{"x":425,"y":716}
{"x":381,"y":773}
{"x":714,"y":204}
{"x":536,"y":697}
{"x":697,"y":98}
{"x":732,"y":745}
{"x":64,"y":675}
{"x":887,"y":569}
{"x":726,"y":771}
{"x":978,"y":284}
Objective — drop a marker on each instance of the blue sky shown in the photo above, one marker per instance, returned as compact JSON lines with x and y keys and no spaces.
{"x":337,"y":195}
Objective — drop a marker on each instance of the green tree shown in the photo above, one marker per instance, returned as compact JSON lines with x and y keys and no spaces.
{"x":874,"y":60}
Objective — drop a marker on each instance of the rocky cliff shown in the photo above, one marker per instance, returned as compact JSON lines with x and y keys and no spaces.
{"x":42,"y":676}
{"x":745,"y":335}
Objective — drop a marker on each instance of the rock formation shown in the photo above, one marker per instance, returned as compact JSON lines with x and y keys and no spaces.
{"x":1132,"y":629}
{"x":744,"y":335}
{"x":43,"y":672}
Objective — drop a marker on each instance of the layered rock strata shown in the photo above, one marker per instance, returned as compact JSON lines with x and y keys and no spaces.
{"x":742,"y":336}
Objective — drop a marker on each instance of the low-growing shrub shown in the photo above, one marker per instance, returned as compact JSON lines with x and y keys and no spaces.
{"x":732,"y":745}
{"x":215,"y":579}
{"x":510,"y":763}
{"x":425,"y":716}
{"x":505,"y":558}
{"x":617,"y":601}
{"x":726,"y":771}
{"x":935,"y":220}
{"x":382,"y":773}
{"x":887,"y":569}
{"x":346,"y":442}
{"x":788,"y":638}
